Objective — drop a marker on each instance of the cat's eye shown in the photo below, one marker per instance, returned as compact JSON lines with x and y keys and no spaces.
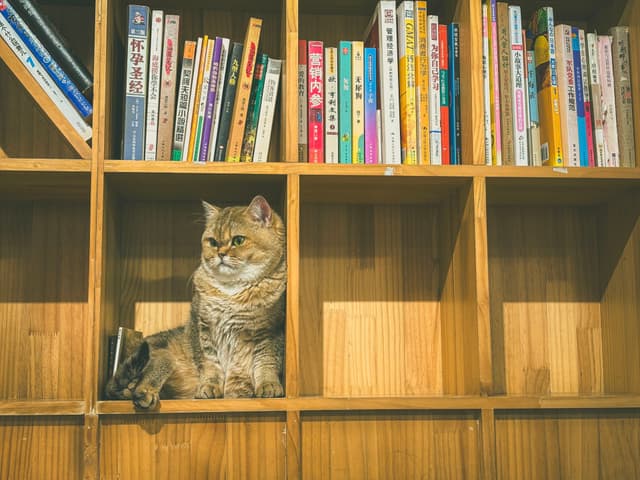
{"x":237,"y":240}
{"x":213,"y":242}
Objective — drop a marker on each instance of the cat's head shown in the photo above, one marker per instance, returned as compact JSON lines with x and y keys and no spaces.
{"x":242,"y":244}
{"x":122,"y":384}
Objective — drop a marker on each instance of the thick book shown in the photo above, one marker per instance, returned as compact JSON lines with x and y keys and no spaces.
{"x":623,"y":96}
{"x":217,"y":108}
{"x":253,"y":114}
{"x":494,"y":84}
{"x":267,"y":109}
{"x":135,"y":82}
{"x":582,"y":125}
{"x":588,"y":116}
{"x":344,"y":101}
{"x":200,"y":46}
{"x":422,"y":82}
{"x":407,"y":81}
{"x":201,"y":101}
{"x":228,"y":97}
{"x":435,"y":132}
{"x":370,"y":106}
{"x":518,"y":88}
{"x":196,"y":93}
{"x":357,"y":102}
{"x":611,"y":146}
{"x":455,"y":118}
{"x":127,"y":340}
{"x":506,"y":84}
{"x":45,"y":58}
{"x":331,"y":105}
{"x":315,"y":100}
{"x":381,"y":33}
{"x":486,"y":85}
{"x":443,"y":60}
{"x":56,"y":43}
{"x":153,"y":84}
{"x":567,"y":97}
{"x":168,"y":76}
{"x":184,"y":91}
{"x":210,"y":101}
{"x":596,"y":96}
{"x":534,"y":117}
{"x":303,"y":102}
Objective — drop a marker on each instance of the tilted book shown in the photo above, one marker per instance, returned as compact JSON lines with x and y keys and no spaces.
{"x":217,"y":107}
{"x":184,"y":91}
{"x":201,"y":101}
{"x":623,"y":97}
{"x":200,"y":46}
{"x":443,"y":51}
{"x":567,"y":97}
{"x":267,"y":109}
{"x":331,"y":105}
{"x":153,"y":84}
{"x":253,"y":114}
{"x":370,"y":106}
{"x":357,"y":102}
{"x":228,"y":98}
{"x":422,"y":82}
{"x":315,"y":99}
{"x":303,"y":101}
{"x":196,"y":88}
{"x":435,"y":133}
{"x":596,"y":98}
{"x":166,"y":112}
{"x":127,"y":340}
{"x":518,"y":88}
{"x":344,"y":101}
{"x":582,"y":125}
{"x":407,"y":82}
{"x":588,"y":117}
{"x":212,"y":94}
{"x":611,"y":146}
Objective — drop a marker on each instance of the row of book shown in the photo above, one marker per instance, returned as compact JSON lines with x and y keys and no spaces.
{"x":46,"y":55}
{"x":553,"y":94}
{"x":393,"y":97}
{"x":220,"y":109}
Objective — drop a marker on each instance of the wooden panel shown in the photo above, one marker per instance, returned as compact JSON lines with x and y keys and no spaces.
{"x":41,"y":448}
{"x":395,"y":445}
{"x":585,"y":445}
{"x":545,"y":308}
{"x":369,"y":286}
{"x":292,"y":364}
{"x":179,"y":447}
{"x":43,"y":299}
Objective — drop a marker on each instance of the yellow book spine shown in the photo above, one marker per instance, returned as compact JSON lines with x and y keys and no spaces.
{"x":422,"y":82}
{"x":194,"y":117}
{"x":357,"y":102}
{"x":243,"y":91}
{"x":407,"y":79}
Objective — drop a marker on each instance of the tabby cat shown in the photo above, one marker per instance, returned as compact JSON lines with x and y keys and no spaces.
{"x":233,"y":343}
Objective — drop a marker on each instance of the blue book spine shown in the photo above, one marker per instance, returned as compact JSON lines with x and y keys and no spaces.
{"x":370,"y":106}
{"x":344,"y":101}
{"x":532,"y":86}
{"x":44,"y":57}
{"x":582,"y":123}
{"x":455,"y":126}
{"x":135,"y":83}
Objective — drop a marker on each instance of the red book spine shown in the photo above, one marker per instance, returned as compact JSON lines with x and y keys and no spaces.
{"x":315,"y":64}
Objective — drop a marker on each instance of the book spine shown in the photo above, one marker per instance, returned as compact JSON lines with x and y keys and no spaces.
{"x":518,"y":98}
{"x":370,"y":107}
{"x":169,"y":73}
{"x":379,"y":133}
{"x":534,"y":118}
{"x":331,"y":105}
{"x":229,"y":93}
{"x":494,"y":80}
{"x":611,"y":147}
{"x":582,"y":126}
{"x":443,"y":60}
{"x":39,"y":51}
{"x":315,"y":99}
{"x":422,"y":82}
{"x":567,"y":96}
{"x":303,"y":150}
{"x":212,"y":93}
{"x":435,"y":134}
{"x":588,"y":118}
{"x":49,"y":35}
{"x":253,"y":114}
{"x":454,"y":94}
{"x":486,"y":84}
{"x":596,"y":95}
{"x":136,"y":83}
{"x":153,"y":89}
{"x":202,"y":100}
{"x":357,"y":102}
{"x":200,"y":45}
{"x":623,"y":96}
{"x":183,"y":99}
{"x":37,"y":71}
{"x":265,"y":123}
{"x":344,"y":101}
{"x":245,"y":79}
{"x":506,"y":84}
{"x":217,"y":108}
{"x":407,"y":82}
{"x":197,"y":91}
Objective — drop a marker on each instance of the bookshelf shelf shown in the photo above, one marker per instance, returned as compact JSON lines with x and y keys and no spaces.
{"x":42,"y":408}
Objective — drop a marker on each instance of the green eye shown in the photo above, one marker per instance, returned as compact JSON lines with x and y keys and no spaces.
{"x":237,"y":240}
{"x":213,"y":242}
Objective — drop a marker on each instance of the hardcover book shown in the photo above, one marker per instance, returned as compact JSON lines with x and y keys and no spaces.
{"x":166,"y":112}
{"x":315,"y":99}
{"x":331,"y":105}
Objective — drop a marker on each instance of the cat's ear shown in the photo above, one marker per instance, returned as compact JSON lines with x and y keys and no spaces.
{"x":210,"y":212}
{"x":260,"y":211}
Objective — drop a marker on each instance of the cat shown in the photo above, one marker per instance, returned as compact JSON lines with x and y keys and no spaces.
{"x":232,"y":345}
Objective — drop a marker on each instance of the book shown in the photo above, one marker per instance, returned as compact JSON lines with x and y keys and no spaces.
{"x":567,"y":97}
{"x":370,"y":106}
{"x":407,"y":82}
{"x":455,"y":119}
{"x":127,"y":340}
{"x":494,"y":84}
{"x":435,"y":133}
{"x":381,"y":33}
{"x":210,"y":102}
{"x":303,"y":101}
{"x":267,"y":109}
{"x":582,"y":126}
{"x":623,"y":95}
{"x":253,"y":113}
{"x":166,"y":112}
{"x":200,"y":45}
{"x":228,"y":96}
{"x":153,"y":84}
{"x":486,"y":85}
{"x":422,"y":82}
{"x":184,"y":91}
{"x":196,"y":94}
{"x":331,"y":105}
{"x":506,"y":85}
{"x":588,"y":117}
{"x":243,"y":90}
{"x":344,"y":102}
{"x":201,"y":101}
{"x":534,"y":117}
{"x":217,"y":107}
{"x":443,"y":60}
{"x":357,"y":102}
{"x":315,"y":99}
{"x":45,"y":30}
{"x":518,"y":88}
{"x":135,"y":83}
{"x":609,"y":115}
{"x":596,"y":95}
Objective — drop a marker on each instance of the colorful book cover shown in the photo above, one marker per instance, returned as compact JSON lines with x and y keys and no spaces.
{"x":344,"y":101}
{"x":623,"y":96}
{"x":357,"y":102}
{"x":544,"y":47}
{"x":567,"y":97}
{"x":184,"y":91}
{"x":370,"y":106}
{"x":455,"y":119}
{"x":197,"y":92}
{"x":582,"y":126}
{"x":192,"y":97}
{"x":169,"y":73}
{"x":596,"y":95}
{"x":443,"y":51}
{"x":217,"y":107}
{"x":303,"y":101}
{"x":228,"y":96}
{"x":255,"y":101}
{"x":506,"y":85}
{"x":269,"y":97}
{"x":315,"y":99}
{"x":135,"y":83}
{"x":407,"y":82}
{"x":494,"y":85}
{"x":588,"y":118}
{"x":534,"y":117}
{"x":202,"y":101}
{"x":331,"y":105}
{"x":245,"y":79}
{"x":153,"y":81}
{"x":212,"y":94}
{"x":518,"y":89}
{"x":422,"y":82}
{"x":435,"y":134}
{"x":382,"y":33}
{"x":611,"y":146}
{"x":486,"y":85}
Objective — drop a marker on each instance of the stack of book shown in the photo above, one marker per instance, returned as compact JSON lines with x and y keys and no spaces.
{"x":392,"y":97}
{"x":555,"y":95}
{"x":47,"y":57}
{"x":220,"y":108}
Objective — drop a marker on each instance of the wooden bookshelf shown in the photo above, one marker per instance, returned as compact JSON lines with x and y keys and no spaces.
{"x":442,"y":322}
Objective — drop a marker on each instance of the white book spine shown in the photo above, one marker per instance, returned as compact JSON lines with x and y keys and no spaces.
{"x":485,"y":84}
{"x":44,"y":79}
{"x":611,"y":151}
{"x":567,"y":96}
{"x":202,"y":101}
{"x":217,"y":107}
{"x":596,"y":96}
{"x":435,"y":134}
{"x":518,"y":86}
{"x":331,"y":105}
{"x":153,"y":89}
{"x":192,"y":96}
{"x":379,"y":131}
{"x":267,"y":109}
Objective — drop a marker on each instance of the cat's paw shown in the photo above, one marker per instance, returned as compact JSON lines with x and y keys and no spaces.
{"x":146,"y":398}
{"x":269,"y":390}
{"x":209,"y":391}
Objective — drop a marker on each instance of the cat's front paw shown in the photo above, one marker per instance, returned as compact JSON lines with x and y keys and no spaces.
{"x":209,"y":391}
{"x":146,"y":398}
{"x":269,"y":390}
